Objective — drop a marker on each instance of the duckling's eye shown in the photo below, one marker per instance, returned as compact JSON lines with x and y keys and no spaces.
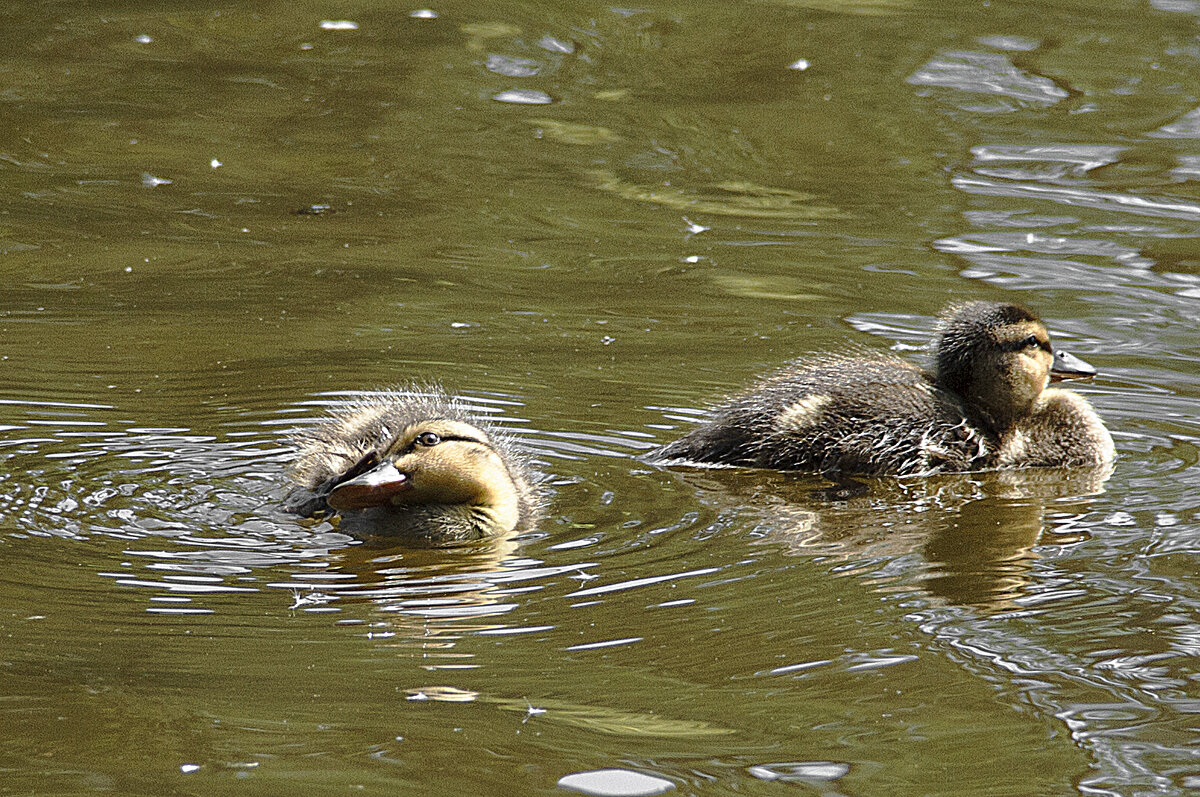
{"x":429,"y":438}
{"x":1031,"y":342}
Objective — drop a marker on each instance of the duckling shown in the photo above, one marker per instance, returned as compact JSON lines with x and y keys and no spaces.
{"x":416,"y":464}
{"x":984,"y":405}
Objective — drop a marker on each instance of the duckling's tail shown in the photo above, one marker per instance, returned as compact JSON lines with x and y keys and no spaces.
{"x":712,"y":444}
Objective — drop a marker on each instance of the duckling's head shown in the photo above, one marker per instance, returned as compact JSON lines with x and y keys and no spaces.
{"x":997,"y":357}
{"x":417,"y":461}
{"x":439,"y":462}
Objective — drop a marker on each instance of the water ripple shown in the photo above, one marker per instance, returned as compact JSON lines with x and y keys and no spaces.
{"x":1082,"y":197}
{"x":988,"y":73}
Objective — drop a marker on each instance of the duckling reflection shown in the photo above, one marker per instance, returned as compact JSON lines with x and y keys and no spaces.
{"x":985,"y":554}
{"x":986,"y":405}
{"x":418,"y":601}
{"x":955,"y":539}
{"x":414,"y":465}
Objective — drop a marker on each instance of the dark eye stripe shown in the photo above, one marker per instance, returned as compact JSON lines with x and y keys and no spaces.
{"x":1026,"y":342}
{"x":444,"y":439}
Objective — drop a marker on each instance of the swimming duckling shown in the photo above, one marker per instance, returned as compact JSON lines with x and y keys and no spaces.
{"x":414,"y":464}
{"x":985,"y":405}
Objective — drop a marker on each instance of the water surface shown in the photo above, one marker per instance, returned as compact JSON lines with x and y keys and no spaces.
{"x":589,"y":222}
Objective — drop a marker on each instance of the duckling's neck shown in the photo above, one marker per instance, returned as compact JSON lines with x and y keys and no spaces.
{"x":500,"y":512}
{"x":996,"y":419}
{"x":990,"y":401}
{"x":449,"y":523}
{"x":495,"y":509}
{"x":427,"y":523}
{"x":498,"y":506}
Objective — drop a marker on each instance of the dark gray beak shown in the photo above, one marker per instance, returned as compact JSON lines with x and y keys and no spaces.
{"x":376,"y":487}
{"x":1068,"y":366}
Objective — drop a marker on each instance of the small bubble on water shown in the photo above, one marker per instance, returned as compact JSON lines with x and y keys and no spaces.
{"x":524,"y":97}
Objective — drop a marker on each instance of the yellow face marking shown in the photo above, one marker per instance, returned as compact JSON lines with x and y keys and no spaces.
{"x":1023,"y":367}
{"x":449,"y":462}
{"x":1015,"y":337}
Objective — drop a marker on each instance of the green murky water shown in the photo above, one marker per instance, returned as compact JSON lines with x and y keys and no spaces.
{"x":589,"y":221}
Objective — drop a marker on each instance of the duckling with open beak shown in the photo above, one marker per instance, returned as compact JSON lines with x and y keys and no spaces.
{"x":418,"y":465}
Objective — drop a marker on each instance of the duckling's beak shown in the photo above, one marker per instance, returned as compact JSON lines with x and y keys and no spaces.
{"x":376,"y":487}
{"x":1068,"y":366}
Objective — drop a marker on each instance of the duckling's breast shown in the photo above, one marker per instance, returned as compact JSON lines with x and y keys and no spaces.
{"x":1062,"y":431}
{"x":420,"y":525}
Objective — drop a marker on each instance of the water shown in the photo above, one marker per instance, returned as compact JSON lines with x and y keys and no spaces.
{"x":219,"y":219}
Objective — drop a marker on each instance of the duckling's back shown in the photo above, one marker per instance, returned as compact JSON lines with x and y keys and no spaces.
{"x":872,"y":415}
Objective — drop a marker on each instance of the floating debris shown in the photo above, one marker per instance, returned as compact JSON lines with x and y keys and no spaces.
{"x":316,"y":210}
{"x":730,"y":198}
{"x":553,"y":45}
{"x":444,"y":694}
{"x":150,"y":181}
{"x":313,"y":598}
{"x":782,"y":288}
{"x":574,"y":133}
{"x":480,"y":32}
{"x":611,"y":95}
